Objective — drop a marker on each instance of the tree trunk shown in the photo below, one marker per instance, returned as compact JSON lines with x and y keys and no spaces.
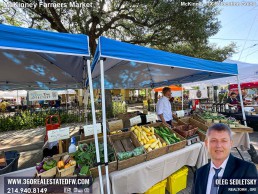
{"x":109,"y":105}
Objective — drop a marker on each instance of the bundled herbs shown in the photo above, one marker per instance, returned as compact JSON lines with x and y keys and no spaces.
{"x":85,"y":156}
{"x":125,"y":155}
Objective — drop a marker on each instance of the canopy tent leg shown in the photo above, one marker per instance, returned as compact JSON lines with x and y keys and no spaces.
{"x":94,"y":126}
{"x":241,"y":100}
{"x":182,"y":98}
{"x":86,"y":105}
{"x":66,"y":99}
{"x":104,"y":122}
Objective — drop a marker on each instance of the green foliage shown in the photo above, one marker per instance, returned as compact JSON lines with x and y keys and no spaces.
{"x":28,"y":120}
{"x":162,"y":24}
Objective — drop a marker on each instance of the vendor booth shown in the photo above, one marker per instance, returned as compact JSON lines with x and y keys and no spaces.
{"x":122,"y":65}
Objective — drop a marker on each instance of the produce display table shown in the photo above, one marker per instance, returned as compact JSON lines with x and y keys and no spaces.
{"x":241,"y":140}
{"x":139,"y":178}
{"x":252,"y":120}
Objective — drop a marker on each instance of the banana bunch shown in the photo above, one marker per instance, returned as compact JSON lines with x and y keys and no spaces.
{"x":147,"y":138}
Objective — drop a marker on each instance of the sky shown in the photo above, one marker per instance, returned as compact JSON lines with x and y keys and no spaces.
{"x":239,"y":25}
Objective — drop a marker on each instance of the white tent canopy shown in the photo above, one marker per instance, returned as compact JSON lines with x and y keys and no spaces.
{"x":13,"y":94}
{"x":248,"y":72}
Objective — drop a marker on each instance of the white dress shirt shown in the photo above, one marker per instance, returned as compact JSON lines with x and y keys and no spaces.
{"x":212,"y":173}
{"x":164,"y":107}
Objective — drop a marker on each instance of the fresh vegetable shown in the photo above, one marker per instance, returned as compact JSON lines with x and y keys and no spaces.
{"x":125,"y":155}
{"x":85,"y":156}
{"x":60,"y":164}
{"x":168,"y":136}
{"x":47,"y":164}
{"x":147,"y":138}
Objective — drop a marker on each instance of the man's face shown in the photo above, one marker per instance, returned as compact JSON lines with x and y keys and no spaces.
{"x":219,"y":145}
{"x":168,"y":94}
{"x":233,"y":95}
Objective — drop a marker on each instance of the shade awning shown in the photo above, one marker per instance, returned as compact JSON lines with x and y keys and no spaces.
{"x":36,"y":59}
{"x":172,"y":87}
{"x":132,"y":66}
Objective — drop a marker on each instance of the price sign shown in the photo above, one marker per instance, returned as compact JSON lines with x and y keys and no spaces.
{"x":89,"y":129}
{"x":180,"y":113}
{"x":115,"y":125}
{"x":151,"y":118}
{"x":135,"y":120}
{"x":58,"y":134}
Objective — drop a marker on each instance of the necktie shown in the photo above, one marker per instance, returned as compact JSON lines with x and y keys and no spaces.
{"x":214,"y":188}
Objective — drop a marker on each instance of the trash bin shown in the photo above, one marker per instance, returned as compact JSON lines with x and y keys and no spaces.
{"x":12,"y":158}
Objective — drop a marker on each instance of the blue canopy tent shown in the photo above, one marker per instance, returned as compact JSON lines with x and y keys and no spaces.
{"x":36,"y":59}
{"x":132,"y":66}
{"x":121,"y":65}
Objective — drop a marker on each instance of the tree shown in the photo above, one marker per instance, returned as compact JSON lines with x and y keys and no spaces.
{"x":163,"y":24}
{"x":154,"y":23}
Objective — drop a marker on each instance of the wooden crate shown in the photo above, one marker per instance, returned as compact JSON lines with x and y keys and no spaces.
{"x":48,"y":173}
{"x":112,"y":166}
{"x":115,"y":126}
{"x":181,"y":129}
{"x":242,"y":128}
{"x":127,"y":141}
{"x":178,"y":145}
{"x":202,"y":135}
{"x":194,"y":122}
{"x":66,"y":172}
{"x":160,"y":151}
{"x":125,"y":117}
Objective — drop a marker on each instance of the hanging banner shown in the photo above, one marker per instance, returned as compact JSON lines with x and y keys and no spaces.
{"x":58,"y":134}
{"x":198,"y":94}
{"x":37,"y":95}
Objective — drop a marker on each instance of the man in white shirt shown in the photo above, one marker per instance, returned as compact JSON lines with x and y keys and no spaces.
{"x":164,"y":110}
{"x":223,"y":165}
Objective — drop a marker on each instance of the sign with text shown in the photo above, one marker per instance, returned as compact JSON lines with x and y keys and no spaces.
{"x":89,"y":129}
{"x":37,"y":95}
{"x":135,"y":120}
{"x":151,"y":118}
{"x":180,"y":113}
{"x":115,"y":125}
{"x":58,"y":134}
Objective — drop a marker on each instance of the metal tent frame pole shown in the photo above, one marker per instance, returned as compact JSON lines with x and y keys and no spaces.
{"x":241,"y":100}
{"x":182,"y":97}
{"x":94,"y":126}
{"x":104,"y":123}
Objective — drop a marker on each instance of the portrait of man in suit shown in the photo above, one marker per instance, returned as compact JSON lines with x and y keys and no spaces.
{"x":222,"y":165}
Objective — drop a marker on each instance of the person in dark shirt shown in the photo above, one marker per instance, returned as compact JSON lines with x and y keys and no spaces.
{"x":232,"y":101}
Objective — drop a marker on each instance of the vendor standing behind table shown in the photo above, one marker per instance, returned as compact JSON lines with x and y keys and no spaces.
{"x":232,"y":101}
{"x":164,"y":110}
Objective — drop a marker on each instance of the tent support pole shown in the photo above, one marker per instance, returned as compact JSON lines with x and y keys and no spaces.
{"x":241,"y":100}
{"x":104,"y":123}
{"x":182,"y":97}
{"x":94,"y":126}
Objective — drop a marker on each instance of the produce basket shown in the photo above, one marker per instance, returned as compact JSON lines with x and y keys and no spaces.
{"x":46,"y":168}
{"x":66,"y":166}
{"x":115,"y":127}
{"x":125,"y":143}
{"x":125,"y":117}
{"x":202,"y":128}
{"x":185,"y":130}
{"x":160,"y":147}
{"x":112,"y":165}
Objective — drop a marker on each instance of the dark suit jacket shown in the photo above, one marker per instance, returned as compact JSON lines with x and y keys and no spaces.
{"x":235,"y":168}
